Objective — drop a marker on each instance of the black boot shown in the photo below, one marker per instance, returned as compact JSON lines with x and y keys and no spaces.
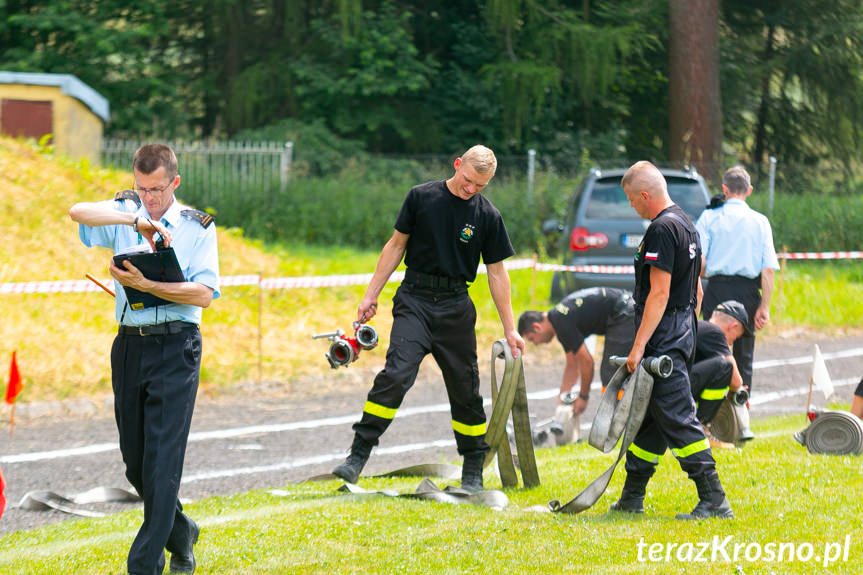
{"x":353,"y":465}
{"x":471,"y":472}
{"x":632,"y":496}
{"x":711,"y":499}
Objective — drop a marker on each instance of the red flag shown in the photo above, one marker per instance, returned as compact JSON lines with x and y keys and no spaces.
{"x":14,"y":387}
{"x":2,"y":494}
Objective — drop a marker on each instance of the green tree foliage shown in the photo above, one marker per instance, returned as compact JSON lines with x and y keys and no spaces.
{"x":403,"y":76}
{"x":793,"y":76}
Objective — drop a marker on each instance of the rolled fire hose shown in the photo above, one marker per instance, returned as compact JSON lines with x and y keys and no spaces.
{"x":833,"y":433}
{"x":729,"y":420}
{"x":618,"y":414}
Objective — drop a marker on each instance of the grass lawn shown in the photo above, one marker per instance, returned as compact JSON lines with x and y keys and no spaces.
{"x":785,"y":500}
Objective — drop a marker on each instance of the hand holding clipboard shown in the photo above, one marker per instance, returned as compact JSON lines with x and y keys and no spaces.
{"x":134,"y":267}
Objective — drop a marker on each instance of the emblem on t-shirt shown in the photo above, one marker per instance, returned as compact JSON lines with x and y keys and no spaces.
{"x":638,"y":252}
{"x":651,"y":255}
{"x":466,"y":233}
{"x":692,"y":251}
{"x":561,"y":308}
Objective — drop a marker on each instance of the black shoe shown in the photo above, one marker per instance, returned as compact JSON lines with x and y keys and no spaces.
{"x":712,"y":501}
{"x":707,"y":509}
{"x":471,"y":472}
{"x":185,"y":562}
{"x":627,"y":504}
{"x":353,"y":465}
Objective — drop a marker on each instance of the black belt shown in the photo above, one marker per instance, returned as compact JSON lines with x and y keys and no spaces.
{"x":668,"y":309}
{"x":429,"y":281}
{"x":169,"y":328}
{"x":724,"y":278}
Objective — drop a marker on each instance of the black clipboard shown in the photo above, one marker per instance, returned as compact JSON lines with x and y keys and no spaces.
{"x":160,"y":266}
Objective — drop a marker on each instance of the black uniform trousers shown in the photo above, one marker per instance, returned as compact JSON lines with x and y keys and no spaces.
{"x":440,"y":322}
{"x":670,"y":420}
{"x":710,"y":379}
{"x":748,"y":292}
{"x":619,"y":335}
{"x":155,"y":381}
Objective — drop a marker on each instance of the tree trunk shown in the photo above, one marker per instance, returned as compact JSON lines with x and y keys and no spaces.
{"x":763,"y":108}
{"x":695,"y":107}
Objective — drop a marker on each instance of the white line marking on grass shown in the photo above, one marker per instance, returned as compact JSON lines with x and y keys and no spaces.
{"x":311,"y":460}
{"x":407,"y":412}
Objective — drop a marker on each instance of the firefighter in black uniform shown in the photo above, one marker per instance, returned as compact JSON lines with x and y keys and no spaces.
{"x":714,"y":371}
{"x":667,"y":293}
{"x":442,"y":230}
{"x":598,"y":310}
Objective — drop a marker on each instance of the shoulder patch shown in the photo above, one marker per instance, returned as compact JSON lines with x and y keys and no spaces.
{"x":128,"y":195}
{"x":202,"y":218}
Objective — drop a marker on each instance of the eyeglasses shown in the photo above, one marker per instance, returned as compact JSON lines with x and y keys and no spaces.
{"x":152,"y":191}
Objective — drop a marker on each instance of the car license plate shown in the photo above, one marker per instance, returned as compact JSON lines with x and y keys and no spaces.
{"x":631,"y":240}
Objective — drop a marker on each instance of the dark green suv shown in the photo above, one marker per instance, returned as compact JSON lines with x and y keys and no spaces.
{"x":602,"y":229}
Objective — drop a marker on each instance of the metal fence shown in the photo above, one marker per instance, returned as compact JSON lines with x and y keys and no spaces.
{"x":219,"y":173}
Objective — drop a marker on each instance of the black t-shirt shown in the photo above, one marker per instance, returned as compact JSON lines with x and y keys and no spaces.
{"x":710,"y":342}
{"x":670,"y":244}
{"x":583,"y":313}
{"x":448,"y":234}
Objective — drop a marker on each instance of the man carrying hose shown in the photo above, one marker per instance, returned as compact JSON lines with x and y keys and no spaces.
{"x":667,"y":294}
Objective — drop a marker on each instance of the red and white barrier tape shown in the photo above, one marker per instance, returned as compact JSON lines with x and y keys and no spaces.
{"x":820,"y":255}
{"x":80,"y":286}
{"x":586,"y":269}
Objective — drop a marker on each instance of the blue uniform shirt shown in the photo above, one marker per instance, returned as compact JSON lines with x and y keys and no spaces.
{"x":736,"y":240}
{"x":196,"y":249}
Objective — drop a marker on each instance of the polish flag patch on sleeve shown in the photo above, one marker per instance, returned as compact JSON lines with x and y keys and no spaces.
{"x":651,"y":255}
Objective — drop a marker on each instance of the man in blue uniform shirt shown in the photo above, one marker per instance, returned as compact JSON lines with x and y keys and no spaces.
{"x":667,"y":289}
{"x":156,"y":356}
{"x":738,"y":261}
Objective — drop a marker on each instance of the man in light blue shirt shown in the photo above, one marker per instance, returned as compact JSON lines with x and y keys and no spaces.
{"x":156,"y":356}
{"x":739,"y":261}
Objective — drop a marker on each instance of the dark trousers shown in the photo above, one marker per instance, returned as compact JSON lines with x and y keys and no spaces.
{"x":670,"y":420}
{"x":710,"y":379}
{"x":746,"y":291}
{"x":155,"y":380}
{"x":441,"y":323}
{"x":619,"y":336}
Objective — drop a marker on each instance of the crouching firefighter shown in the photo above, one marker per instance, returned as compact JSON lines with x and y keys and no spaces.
{"x":714,"y":372}
{"x":442,"y":230}
{"x":667,"y":291}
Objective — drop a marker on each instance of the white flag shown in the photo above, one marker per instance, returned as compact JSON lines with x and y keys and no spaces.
{"x":820,"y":377}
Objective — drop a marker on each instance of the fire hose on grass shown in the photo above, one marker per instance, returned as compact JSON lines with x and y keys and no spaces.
{"x":621,"y":411}
{"x":510,"y":397}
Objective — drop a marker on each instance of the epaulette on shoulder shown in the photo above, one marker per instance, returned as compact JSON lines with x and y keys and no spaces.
{"x":202,"y":218}
{"x":128,"y":195}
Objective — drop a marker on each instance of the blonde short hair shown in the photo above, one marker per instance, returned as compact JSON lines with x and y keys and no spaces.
{"x":481,"y":158}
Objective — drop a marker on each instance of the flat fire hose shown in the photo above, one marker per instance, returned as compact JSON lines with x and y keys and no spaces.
{"x":428,"y":490}
{"x":616,"y":415}
{"x":833,"y":433}
{"x":47,"y":500}
{"x":510,"y":398}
